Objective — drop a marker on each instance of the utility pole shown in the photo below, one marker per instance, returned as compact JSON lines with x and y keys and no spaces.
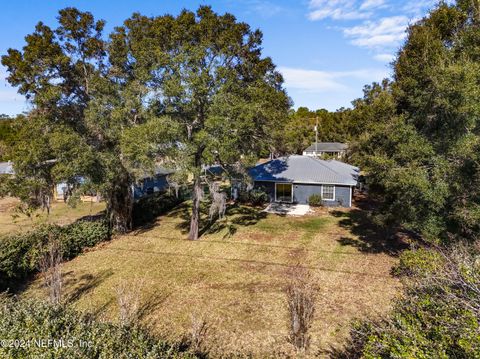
{"x":316,"y":135}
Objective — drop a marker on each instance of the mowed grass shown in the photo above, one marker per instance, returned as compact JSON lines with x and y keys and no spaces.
{"x":12,"y":221}
{"x":235,"y":276}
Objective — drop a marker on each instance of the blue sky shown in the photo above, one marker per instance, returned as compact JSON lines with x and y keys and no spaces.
{"x":327,"y":50}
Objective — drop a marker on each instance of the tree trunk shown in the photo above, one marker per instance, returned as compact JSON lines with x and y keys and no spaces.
{"x":120,"y":204}
{"x":196,"y":197}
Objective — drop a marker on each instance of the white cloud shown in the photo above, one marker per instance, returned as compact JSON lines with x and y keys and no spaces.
{"x":327,"y":81}
{"x":378,"y":25}
{"x":386,"y":32}
{"x":11,"y":95}
{"x":370,"y":4}
{"x":335,"y":9}
{"x":384,"y":57}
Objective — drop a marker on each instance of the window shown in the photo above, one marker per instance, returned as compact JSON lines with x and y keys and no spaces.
{"x":283,"y":192}
{"x":328,"y":192}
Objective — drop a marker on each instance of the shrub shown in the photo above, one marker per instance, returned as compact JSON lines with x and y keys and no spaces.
{"x":83,"y":234}
{"x":147,"y":208}
{"x":20,"y":254}
{"x":315,"y":200}
{"x":438,"y":315}
{"x":418,"y":262}
{"x":254,"y":197}
{"x":83,"y":337}
{"x":301,"y":294}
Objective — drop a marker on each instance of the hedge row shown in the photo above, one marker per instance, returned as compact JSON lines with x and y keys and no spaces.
{"x":20,"y":253}
{"x":32,"y":329}
{"x":148,"y":208}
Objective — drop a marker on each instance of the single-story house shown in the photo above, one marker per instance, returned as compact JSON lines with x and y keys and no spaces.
{"x":334,"y":149}
{"x":293,"y":179}
{"x":150,"y":184}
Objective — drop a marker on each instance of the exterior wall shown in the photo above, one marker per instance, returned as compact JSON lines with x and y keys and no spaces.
{"x":337,"y":154}
{"x":301,"y":193}
{"x":149,"y":186}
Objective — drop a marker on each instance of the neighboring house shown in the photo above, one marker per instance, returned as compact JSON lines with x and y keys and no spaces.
{"x":6,"y":168}
{"x":151,"y":184}
{"x":293,"y":179}
{"x":333,"y":149}
{"x":213,"y":171}
{"x":148,"y":185}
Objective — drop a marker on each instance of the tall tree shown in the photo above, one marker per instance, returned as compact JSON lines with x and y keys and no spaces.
{"x":82,"y":107}
{"x":424,"y":162}
{"x":207,"y":75}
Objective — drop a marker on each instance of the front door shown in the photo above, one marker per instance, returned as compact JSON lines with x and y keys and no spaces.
{"x":283,"y":192}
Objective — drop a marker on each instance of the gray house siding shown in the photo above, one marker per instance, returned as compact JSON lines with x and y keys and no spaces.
{"x":150,"y":185}
{"x":302,"y":191}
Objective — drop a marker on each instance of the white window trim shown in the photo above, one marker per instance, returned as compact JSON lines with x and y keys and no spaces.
{"x":291,"y":184}
{"x":334,"y":194}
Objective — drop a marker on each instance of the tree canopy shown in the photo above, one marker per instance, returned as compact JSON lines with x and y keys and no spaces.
{"x":187,"y":90}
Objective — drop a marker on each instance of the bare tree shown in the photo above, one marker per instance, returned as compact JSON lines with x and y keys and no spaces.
{"x":198,"y":333}
{"x":50,"y":266}
{"x":219,"y":201}
{"x":301,"y":295}
{"x":128,"y":300}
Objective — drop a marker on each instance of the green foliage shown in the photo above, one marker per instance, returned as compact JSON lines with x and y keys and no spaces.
{"x":20,"y":253}
{"x":419,"y":262}
{"x":83,"y":234}
{"x":437,"y":317}
{"x":83,"y":336}
{"x":422,"y":155}
{"x":254,"y":197}
{"x":8,"y":135}
{"x":147,"y":208}
{"x":192,"y":89}
{"x":315,"y":200}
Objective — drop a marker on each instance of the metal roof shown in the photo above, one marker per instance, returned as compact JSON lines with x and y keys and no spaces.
{"x":6,"y":168}
{"x":327,"y":147}
{"x":305,"y":169}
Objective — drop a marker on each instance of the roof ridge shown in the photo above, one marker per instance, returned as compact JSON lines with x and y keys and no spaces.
{"x":320,"y":161}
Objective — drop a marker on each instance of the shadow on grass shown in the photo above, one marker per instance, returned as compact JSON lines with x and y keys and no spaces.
{"x":235,"y":216}
{"x":371,"y":238}
{"x":83,"y":284}
{"x":99,"y":216}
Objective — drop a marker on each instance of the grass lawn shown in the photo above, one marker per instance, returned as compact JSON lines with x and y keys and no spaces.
{"x":11,"y":221}
{"x":234,"y":277}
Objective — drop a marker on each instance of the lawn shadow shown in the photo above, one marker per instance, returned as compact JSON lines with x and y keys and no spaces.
{"x":370,"y":237}
{"x":83,"y":284}
{"x":236,"y":215}
{"x":99,"y":216}
{"x":149,"y":304}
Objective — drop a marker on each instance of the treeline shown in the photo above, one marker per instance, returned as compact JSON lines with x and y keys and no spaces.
{"x":421,"y":156}
{"x":8,"y":135}
{"x":344,"y":125}
{"x":183,"y":91}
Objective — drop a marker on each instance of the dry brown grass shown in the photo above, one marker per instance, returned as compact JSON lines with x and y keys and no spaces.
{"x":60,"y":213}
{"x":235,"y":279}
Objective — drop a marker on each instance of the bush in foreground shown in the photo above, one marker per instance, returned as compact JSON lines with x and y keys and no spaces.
{"x":31,"y":329}
{"x":20,"y":253}
{"x":437,"y":317}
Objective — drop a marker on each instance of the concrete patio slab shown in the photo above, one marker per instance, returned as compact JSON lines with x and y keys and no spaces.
{"x":288,"y":209}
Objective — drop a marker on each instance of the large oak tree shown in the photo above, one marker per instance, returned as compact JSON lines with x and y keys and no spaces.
{"x":206,"y":74}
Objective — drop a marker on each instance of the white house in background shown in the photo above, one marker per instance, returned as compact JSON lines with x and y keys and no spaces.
{"x":333,"y":149}
{"x":6,"y":168}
